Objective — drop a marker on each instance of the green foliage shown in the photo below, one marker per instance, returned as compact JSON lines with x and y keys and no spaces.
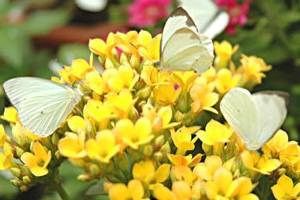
{"x":273,"y":31}
{"x":41,"y":22}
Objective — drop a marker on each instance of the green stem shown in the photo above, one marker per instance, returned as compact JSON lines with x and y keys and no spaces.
{"x":61,"y":191}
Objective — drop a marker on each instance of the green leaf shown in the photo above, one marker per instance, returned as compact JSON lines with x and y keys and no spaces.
{"x":96,"y":189}
{"x":14,"y":46}
{"x":69,"y":52}
{"x":41,"y":22}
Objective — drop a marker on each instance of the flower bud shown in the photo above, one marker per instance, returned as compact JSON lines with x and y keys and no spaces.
{"x":144,"y":93}
{"x":158,"y":156}
{"x":54,"y":139}
{"x":148,"y":150}
{"x":166,"y":148}
{"x":159,"y":141}
{"x":26,"y":180}
{"x":94,"y":169}
{"x":15,"y":171}
{"x":157,"y":125}
{"x":84,"y":177}
{"x":23,"y":188}
{"x":15,"y":182}
{"x":19,"y":151}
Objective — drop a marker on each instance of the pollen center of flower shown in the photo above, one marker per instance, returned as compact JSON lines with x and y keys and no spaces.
{"x":41,"y":163}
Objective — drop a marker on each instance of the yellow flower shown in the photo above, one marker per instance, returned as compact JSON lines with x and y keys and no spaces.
{"x":6,"y":157}
{"x":10,"y":114}
{"x":224,"y":51}
{"x":37,"y":161}
{"x":80,"y":68}
{"x":97,"y":111}
{"x":184,"y":79}
{"x":203,"y":97}
{"x":77,"y":124}
{"x":160,"y":119}
{"x":182,"y":190}
{"x":241,"y":189}
{"x":285,"y":189}
{"x":166,"y":93}
{"x":118,"y":79}
{"x":161,"y":192}
{"x":121,"y":103}
{"x":226,"y":81}
{"x":72,"y":145}
{"x":95,"y":82}
{"x":214,"y":133}
{"x":134,"y":191}
{"x":150,"y":74}
{"x":136,"y":134}
{"x":209,"y":75}
{"x":207,"y":169}
{"x":98,"y":47}
{"x":280,"y":147}
{"x":252,"y":70}
{"x":219,"y":182}
{"x":182,"y":139}
{"x":67,"y":75}
{"x":22,"y":135}
{"x":149,"y":47}
{"x":3,"y":135}
{"x":181,"y":160}
{"x":145,"y":171}
{"x":260,"y":164}
{"x":104,"y":147}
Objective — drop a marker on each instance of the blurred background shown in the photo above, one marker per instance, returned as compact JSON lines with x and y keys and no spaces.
{"x":37,"y":35}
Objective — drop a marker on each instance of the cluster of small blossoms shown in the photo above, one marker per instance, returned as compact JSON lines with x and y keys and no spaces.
{"x":145,"y":132}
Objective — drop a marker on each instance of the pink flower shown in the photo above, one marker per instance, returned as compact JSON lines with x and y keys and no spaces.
{"x":147,"y":12}
{"x":238,"y":13}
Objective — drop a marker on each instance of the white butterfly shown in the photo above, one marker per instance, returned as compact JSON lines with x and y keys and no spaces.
{"x":91,"y":5}
{"x":209,"y":19}
{"x":182,"y":47}
{"x":255,"y":118}
{"x":42,"y":104}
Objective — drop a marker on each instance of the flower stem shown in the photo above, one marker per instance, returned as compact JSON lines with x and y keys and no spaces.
{"x":61,"y":191}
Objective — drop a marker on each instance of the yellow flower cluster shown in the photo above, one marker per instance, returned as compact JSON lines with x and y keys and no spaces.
{"x":151,"y":133}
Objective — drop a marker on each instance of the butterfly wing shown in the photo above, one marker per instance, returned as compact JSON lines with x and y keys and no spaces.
{"x":239,"y":110}
{"x":209,"y":20}
{"x":185,"y":50}
{"x":42,"y":105}
{"x":177,"y":20}
{"x":272,"y":112}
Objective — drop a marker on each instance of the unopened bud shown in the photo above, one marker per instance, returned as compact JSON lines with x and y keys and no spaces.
{"x":83,"y":177}
{"x":158,"y":156}
{"x":26,"y":180}
{"x":157,"y":124}
{"x":183,"y":104}
{"x":134,"y":61}
{"x":148,"y":150}
{"x":144,"y":93}
{"x":15,"y":182}
{"x":15,"y":171}
{"x":57,"y":155}
{"x":159,"y":141}
{"x":166,"y":148}
{"x":94,"y":169}
{"x":19,"y":151}
{"x":23,"y":188}
{"x":54,"y":139}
